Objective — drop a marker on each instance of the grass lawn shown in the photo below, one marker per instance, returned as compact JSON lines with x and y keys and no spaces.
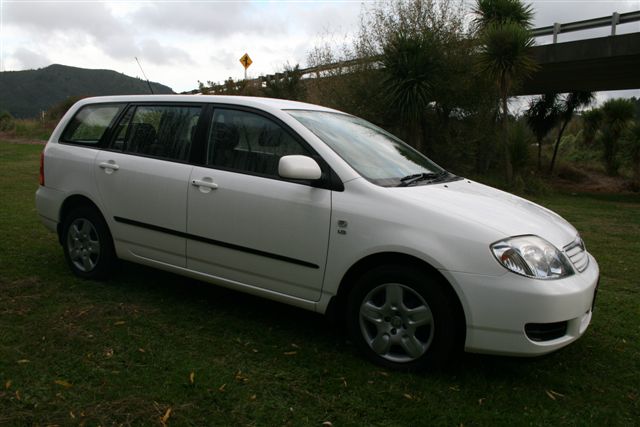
{"x":150,"y":348}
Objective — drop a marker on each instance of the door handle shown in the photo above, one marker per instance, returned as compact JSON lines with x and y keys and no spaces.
{"x":109,"y":165}
{"x":201,"y":183}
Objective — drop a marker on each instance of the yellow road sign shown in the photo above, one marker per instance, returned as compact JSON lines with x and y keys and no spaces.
{"x":246,"y":61}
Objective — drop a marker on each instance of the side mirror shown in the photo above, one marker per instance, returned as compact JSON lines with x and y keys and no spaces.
{"x":299,"y":167}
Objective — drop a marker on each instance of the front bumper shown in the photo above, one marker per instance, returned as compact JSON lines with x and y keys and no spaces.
{"x":497,"y":310}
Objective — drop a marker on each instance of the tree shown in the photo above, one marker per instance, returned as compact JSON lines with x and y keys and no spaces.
{"x":504,"y":54}
{"x":617,"y":115}
{"x":412,"y":66}
{"x":569,"y":105}
{"x":542,"y":116}
{"x":591,"y":121}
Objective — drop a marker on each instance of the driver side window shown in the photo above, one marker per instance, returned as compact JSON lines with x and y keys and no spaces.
{"x":248,"y":142}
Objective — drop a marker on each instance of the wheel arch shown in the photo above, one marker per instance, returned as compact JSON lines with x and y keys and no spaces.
{"x":71,"y":203}
{"x":337,"y":306}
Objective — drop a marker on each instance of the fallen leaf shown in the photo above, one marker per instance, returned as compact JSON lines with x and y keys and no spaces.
{"x":22,"y":361}
{"x":551,"y":396}
{"x":72,"y":415}
{"x":408,"y":396}
{"x":327,"y":424}
{"x":294,"y":345}
{"x":221,"y":388}
{"x":253,"y":397}
{"x":141,"y":350}
{"x":120,"y":322}
{"x":481,"y":400}
{"x":555,"y":393}
{"x":290,"y":353}
{"x":454,"y":388}
{"x":383,"y":373}
{"x":63,"y":383}
{"x":254,"y":350}
{"x":344,"y":381}
{"x":165,"y":417}
{"x":241,"y":377}
{"x":192,"y":377}
{"x":108,"y":352}
{"x":18,"y":395}
{"x":7,"y":385}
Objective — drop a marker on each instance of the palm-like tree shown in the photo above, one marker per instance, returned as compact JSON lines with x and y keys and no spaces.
{"x":569,"y":105}
{"x":591,"y":121}
{"x":542,"y":116}
{"x":411,"y":65}
{"x":500,"y":11}
{"x":505,"y":56}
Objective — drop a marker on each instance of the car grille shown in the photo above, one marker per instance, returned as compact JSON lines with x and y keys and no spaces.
{"x":577,"y":254}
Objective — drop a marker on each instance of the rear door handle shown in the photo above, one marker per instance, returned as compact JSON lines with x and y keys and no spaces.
{"x":109,"y":165}
{"x":202,"y":183}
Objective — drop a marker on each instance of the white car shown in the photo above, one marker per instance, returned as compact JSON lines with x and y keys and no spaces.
{"x":319,"y":209}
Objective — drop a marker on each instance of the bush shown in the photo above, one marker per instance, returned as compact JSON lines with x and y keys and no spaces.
{"x":7,"y":122}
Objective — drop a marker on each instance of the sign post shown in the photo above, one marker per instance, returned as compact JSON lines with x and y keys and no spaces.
{"x":246,"y":62}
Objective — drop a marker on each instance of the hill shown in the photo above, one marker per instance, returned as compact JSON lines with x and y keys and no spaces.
{"x":26,"y":93}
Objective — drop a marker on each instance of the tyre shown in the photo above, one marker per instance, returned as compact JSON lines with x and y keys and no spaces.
{"x":87,"y":244}
{"x":402,"y":317}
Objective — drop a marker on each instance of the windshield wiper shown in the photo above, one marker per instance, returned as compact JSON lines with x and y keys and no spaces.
{"x":423,"y":176}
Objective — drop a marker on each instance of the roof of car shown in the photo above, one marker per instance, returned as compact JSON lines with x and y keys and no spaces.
{"x":251,"y":101}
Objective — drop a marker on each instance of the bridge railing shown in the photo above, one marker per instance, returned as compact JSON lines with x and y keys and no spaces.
{"x":614,"y":20}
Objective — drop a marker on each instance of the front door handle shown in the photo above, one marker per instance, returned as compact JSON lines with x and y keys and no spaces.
{"x":204,"y":183}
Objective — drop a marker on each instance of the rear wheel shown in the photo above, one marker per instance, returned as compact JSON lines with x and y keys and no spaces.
{"x":402,"y":317}
{"x":87,"y":243}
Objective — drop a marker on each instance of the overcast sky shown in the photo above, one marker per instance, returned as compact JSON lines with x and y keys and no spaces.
{"x":181,"y":42}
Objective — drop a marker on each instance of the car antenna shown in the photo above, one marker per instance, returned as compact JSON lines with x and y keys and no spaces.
{"x":145,"y":76}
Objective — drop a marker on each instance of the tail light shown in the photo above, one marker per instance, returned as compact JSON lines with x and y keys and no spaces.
{"x":42,"y":168}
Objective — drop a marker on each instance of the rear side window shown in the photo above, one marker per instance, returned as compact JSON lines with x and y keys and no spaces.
{"x":90,"y":123}
{"x":158,"y":131}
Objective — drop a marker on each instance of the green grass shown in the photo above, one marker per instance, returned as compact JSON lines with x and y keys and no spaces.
{"x":121,"y":352}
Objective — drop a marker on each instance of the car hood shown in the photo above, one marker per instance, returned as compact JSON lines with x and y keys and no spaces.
{"x":505,"y":213}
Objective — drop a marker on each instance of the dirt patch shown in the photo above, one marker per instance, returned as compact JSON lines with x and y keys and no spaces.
{"x":592,"y":181}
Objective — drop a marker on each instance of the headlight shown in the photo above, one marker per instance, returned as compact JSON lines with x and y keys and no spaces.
{"x":533,"y":257}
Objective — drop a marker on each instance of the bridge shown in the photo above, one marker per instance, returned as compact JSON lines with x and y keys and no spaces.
{"x":595,"y":64}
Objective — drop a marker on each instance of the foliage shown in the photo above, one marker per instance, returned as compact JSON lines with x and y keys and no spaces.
{"x":58,"y":110}
{"x":7,"y":122}
{"x":633,"y":140}
{"x":542,"y":116}
{"x":489,"y":12}
{"x":617,"y":115}
{"x":520,"y":140}
{"x":568,"y":106}
{"x":591,"y":121}
{"x":286,"y":85}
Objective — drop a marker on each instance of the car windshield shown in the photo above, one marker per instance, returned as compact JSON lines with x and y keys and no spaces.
{"x":374,"y":153}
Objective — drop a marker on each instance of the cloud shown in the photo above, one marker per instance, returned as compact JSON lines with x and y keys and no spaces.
{"x":28,"y":59}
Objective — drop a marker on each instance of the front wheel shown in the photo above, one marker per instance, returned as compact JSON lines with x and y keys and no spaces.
{"x":87,"y":244}
{"x":402,"y":318}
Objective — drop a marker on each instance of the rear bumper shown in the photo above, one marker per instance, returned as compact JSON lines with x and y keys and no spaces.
{"x":498,"y":309}
{"x":48,"y":203}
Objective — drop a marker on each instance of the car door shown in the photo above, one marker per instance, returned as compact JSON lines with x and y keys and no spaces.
{"x":245,"y":223}
{"x":142,"y":179}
